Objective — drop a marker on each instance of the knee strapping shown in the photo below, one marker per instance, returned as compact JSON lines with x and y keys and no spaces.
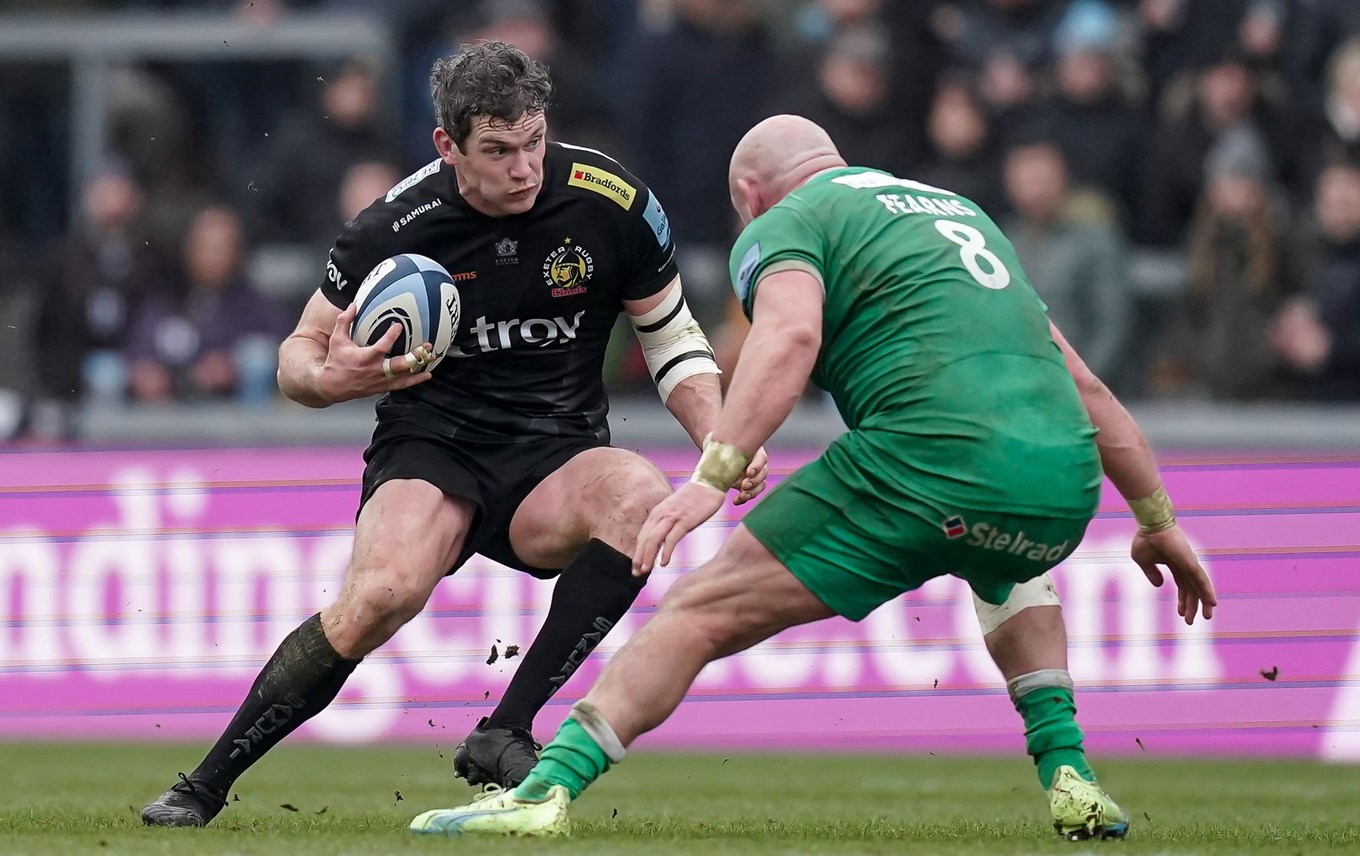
{"x":1036,"y":592}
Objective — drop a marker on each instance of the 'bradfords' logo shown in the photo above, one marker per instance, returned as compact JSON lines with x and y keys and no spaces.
{"x":604,"y":183}
{"x":407,"y":218}
{"x":567,"y":269}
{"x":990,"y":537}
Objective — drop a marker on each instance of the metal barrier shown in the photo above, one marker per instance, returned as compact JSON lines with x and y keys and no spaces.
{"x":92,"y":44}
{"x":641,"y":420}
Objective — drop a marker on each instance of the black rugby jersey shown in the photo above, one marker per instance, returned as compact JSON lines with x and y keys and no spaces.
{"x":540,"y":293}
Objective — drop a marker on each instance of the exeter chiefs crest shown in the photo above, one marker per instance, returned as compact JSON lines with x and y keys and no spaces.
{"x":567,"y":269}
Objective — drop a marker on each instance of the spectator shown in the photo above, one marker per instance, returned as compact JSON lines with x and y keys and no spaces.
{"x":1316,"y":333}
{"x":1241,"y":269}
{"x":851,"y":100}
{"x":963,"y":155}
{"x":1074,"y":261}
{"x":219,"y":337}
{"x":297,"y":196}
{"x":1332,"y":135}
{"x":683,"y":120}
{"x":916,"y":56}
{"x":364,"y":183}
{"x":1182,"y":35}
{"x":821,"y":20}
{"x":286,"y":273}
{"x":1214,"y":100}
{"x":1093,"y":116}
{"x":1007,"y":43}
{"x":102,"y":274}
{"x":578,"y":107}
{"x":152,"y":128}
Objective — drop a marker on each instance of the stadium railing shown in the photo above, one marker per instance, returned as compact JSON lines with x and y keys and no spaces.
{"x":92,"y":43}
{"x":641,"y":420}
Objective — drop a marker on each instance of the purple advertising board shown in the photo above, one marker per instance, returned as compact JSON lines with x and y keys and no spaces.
{"x":141,"y":590}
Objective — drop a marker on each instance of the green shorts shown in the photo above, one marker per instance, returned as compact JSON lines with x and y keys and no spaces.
{"x":857,"y":547}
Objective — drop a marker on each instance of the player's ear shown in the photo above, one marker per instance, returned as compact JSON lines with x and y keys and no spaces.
{"x":447,"y":148}
{"x":747,"y":200}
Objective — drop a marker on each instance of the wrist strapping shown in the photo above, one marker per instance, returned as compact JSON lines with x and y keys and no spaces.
{"x":720,"y":465}
{"x":1153,"y":512}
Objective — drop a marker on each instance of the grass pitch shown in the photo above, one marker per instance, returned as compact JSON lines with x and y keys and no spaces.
{"x":304,"y":800}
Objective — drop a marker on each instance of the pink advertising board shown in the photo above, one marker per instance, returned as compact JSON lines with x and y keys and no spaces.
{"x":141,"y":590}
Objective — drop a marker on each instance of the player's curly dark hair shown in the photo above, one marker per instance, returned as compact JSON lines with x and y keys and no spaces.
{"x":493,"y":79}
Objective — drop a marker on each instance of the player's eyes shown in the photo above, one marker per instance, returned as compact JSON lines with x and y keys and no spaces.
{"x":533,"y":144}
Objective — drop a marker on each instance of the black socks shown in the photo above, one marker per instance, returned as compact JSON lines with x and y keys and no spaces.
{"x":305,"y":674}
{"x":299,"y":681}
{"x":593,"y":592}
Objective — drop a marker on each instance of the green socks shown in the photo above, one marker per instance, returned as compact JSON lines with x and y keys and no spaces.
{"x":573,"y":760}
{"x":1052,"y":735}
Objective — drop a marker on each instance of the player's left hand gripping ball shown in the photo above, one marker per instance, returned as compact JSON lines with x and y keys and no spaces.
{"x":414,"y":363}
{"x":674,"y":518}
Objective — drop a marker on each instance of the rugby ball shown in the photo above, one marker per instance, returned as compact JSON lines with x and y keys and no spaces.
{"x":414,"y":292}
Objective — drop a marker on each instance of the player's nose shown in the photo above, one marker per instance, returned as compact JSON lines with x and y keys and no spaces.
{"x":520,"y":169}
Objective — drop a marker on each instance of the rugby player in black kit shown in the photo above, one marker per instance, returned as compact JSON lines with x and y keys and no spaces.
{"x":504,"y":450}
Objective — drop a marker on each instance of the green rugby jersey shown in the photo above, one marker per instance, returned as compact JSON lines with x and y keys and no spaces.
{"x":932,"y":334}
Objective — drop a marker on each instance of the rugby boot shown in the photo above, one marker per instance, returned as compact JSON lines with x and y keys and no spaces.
{"x":1082,"y":810}
{"x":498,"y":811}
{"x":187,"y":803}
{"x":495,"y":756}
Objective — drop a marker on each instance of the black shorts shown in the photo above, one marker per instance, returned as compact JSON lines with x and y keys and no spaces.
{"x":496,"y":478}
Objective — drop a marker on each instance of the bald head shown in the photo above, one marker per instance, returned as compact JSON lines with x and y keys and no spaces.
{"x":774,"y":157}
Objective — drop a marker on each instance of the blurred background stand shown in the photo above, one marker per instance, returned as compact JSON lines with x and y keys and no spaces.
{"x":93,"y":46}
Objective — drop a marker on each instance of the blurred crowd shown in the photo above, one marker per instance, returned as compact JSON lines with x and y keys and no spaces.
{"x":1180,"y":178}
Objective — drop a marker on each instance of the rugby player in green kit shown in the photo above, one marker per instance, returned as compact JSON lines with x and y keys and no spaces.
{"x":976,"y":442}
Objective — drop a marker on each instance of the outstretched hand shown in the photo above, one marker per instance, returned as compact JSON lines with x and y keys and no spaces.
{"x":1169,"y":547}
{"x":672,"y":519}
{"x":355,"y":371}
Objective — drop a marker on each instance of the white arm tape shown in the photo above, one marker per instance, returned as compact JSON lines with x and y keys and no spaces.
{"x":672,"y":343}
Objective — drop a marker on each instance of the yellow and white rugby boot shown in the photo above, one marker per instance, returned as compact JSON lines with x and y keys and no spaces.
{"x":1082,"y":810}
{"x":496,"y":811}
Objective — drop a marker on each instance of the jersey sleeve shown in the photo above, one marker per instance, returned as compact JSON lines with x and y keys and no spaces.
{"x":354,"y":254}
{"x":780,"y":239}
{"x":648,"y":230}
{"x":646,"y":249}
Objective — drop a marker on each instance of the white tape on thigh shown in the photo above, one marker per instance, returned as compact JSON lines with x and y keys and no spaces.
{"x":1037,"y":592}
